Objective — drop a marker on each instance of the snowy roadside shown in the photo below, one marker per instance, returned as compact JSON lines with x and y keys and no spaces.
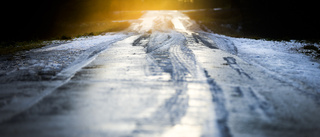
{"x":284,"y":60}
{"x":28,"y":77}
{"x":42,"y":64}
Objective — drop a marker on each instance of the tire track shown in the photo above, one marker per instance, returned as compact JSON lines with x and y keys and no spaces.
{"x":217,"y":93}
{"x":168,"y":53}
{"x":159,"y":48}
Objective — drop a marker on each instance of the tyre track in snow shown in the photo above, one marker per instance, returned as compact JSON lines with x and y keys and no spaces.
{"x":171,"y":56}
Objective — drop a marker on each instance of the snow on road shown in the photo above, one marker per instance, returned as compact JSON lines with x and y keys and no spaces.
{"x":86,"y":43}
{"x":164,"y":78}
{"x":277,"y":58}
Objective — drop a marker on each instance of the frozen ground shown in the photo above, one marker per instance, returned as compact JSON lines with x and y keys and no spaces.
{"x":162,"y":77}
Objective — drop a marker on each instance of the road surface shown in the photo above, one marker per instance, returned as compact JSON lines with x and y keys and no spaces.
{"x":162,"y":78}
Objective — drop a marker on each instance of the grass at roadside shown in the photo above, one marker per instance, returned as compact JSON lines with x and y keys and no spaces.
{"x":12,"y":47}
{"x":68,"y":32}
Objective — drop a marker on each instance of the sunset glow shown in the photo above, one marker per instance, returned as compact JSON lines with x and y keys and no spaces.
{"x":151,"y":4}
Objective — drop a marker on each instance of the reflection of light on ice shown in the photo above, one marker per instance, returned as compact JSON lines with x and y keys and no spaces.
{"x":147,"y":23}
{"x":199,"y":119}
{"x":184,"y":131}
{"x":177,"y":24}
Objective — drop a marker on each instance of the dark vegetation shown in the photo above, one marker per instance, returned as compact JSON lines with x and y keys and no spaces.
{"x":268,"y":19}
{"x":29,"y":23}
{"x":281,"y":19}
{"x":52,"y":19}
{"x":311,"y":50}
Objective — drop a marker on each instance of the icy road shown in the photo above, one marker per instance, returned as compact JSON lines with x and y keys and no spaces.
{"x":163,"y":77}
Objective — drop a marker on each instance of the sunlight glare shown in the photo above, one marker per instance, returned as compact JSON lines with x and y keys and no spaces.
{"x":162,"y":21}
